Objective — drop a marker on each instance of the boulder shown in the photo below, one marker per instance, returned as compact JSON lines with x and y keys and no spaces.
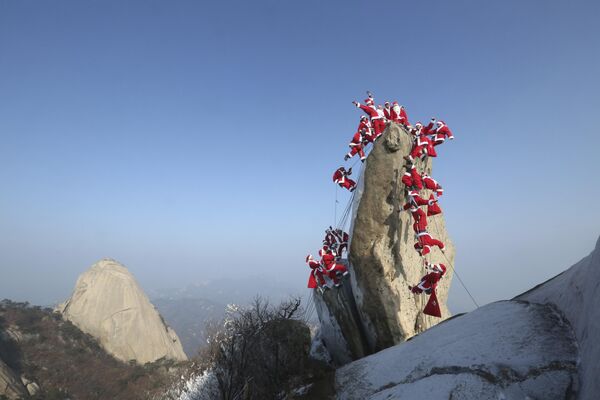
{"x":378,"y":310}
{"x":108,"y":304}
{"x":576,"y":293}
{"x":10,"y":385}
{"x":504,"y":350}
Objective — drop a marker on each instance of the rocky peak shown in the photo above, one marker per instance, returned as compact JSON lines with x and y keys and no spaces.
{"x":108,"y":304}
{"x":375,"y":310}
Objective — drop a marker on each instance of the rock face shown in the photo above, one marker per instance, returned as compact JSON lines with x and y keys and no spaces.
{"x":108,"y":304}
{"x":383,"y":261}
{"x":10,"y":385}
{"x":504,"y":350}
{"x":576,"y":292}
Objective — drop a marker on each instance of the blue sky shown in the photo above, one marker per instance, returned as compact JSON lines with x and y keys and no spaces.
{"x":195,"y":140}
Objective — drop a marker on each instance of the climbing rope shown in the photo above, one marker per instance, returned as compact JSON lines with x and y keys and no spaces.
{"x":437,"y":230}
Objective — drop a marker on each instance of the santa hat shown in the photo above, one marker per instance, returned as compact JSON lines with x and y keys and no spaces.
{"x":309,"y":258}
{"x":395,"y":103}
{"x":441,"y":268}
{"x":387,"y":103}
{"x":363,"y":117}
{"x":369,"y":101}
{"x":419,"y":124}
{"x":441,"y":123}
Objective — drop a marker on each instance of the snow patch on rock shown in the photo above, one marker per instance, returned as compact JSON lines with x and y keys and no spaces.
{"x":508,"y":349}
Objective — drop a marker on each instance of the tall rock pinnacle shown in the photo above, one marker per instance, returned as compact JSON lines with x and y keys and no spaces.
{"x":375,"y":309}
{"x":108,"y":304}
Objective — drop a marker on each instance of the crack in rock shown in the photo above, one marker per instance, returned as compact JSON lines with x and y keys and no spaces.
{"x":506,"y":376}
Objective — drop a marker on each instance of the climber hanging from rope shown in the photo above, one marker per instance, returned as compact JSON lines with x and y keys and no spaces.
{"x":422,"y":145}
{"x":342,"y":240}
{"x":365,"y":124}
{"x":432,"y":184}
{"x":419,"y":217}
{"x":330,"y":267}
{"x":371,"y":111}
{"x":316,"y":279}
{"x":424,"y":243}
{"x":340,"y":176}
{"x":412,"y":179}
{"x":357,"y":146}
{"x":428,"y":285}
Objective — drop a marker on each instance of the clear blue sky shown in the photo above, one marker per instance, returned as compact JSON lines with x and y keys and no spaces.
{"x":194,"y":140}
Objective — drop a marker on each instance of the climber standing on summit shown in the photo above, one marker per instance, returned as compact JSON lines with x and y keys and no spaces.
{"x":376,"y":117}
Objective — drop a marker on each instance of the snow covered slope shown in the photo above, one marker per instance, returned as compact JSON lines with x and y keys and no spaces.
{"x":505,"y":350}
{"x":576,"y":292}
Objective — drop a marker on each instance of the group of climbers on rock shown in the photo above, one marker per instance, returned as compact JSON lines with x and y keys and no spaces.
{"x":425,"y":140}
{"x":370,"y":127}
{"x":330,"y":265}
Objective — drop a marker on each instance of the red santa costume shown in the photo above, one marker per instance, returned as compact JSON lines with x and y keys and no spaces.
{"x":329,"y":237}
{"x":429,"y":282}
{"x":414,"y":197}
{"x":441,"y":133}
{"x":342,"y":239}
{"x":428,"y":285}
{"x":316,"y":274}
{"x":371,"y":111}
{"x":433,"y":208}
{"x":332,"y":268}
{"x":412,"y":178}
{"x":387,"y":111}
{"x":356,"y":147}
{"x":425,"y":242}
{"x":398,"y":114}
{"x":366,"y":125}
{"x":419,"y":217}
{"x":340,"y":176}
{"x":432,"y":184}
{"x":421,"y":143}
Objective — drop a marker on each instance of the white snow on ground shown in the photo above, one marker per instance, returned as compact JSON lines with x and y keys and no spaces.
{"x":504,"y":350}
{"x":576,"y":292}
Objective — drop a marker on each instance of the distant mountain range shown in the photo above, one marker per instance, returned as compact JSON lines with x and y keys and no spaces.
{"x":188,"y":309}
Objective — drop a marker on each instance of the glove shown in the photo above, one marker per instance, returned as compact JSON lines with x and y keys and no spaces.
{"x":355,"y":103}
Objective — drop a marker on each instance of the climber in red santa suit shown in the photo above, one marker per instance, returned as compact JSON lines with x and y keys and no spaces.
{"x":411,"y":178}
{"x":387,"y":111}
{"x":366,"y":125}
{"x":342,"y":239}
{"x":371,"y":111}
{"x":357,"y":146}
{"x":421,"y":143}
{"x":333,"y":268}
{"x":340,"y":176}
{"x":398,"y":114}
{"x":425,"y":242}
{"x":429,"y":282}
{"x":419,"y":216}
{"x":329,"y":237}
{"x":414,"y":197}
{"x":316,"y":278}
{"x":428,"y":285}
{"x":441,"y":133}
{"x":432,"y":184}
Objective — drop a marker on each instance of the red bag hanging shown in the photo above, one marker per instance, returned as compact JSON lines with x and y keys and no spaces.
{"x":433,"y":308}
{"x":433,"y":208}
{"x":312,"y":281}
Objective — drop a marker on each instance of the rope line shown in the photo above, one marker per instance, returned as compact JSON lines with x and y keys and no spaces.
{"x":454,"y":269}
